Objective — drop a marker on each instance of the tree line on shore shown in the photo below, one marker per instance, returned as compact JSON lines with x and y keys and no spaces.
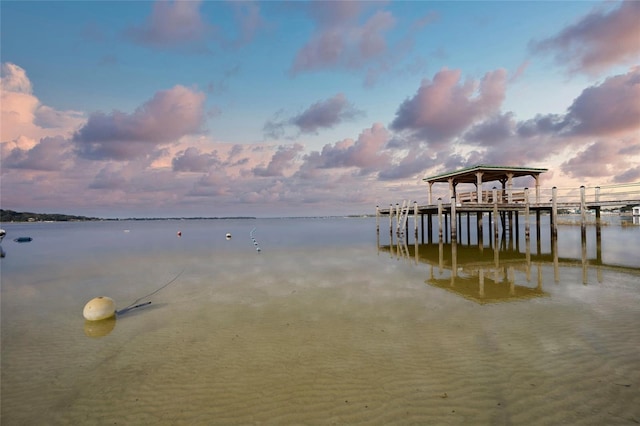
{"x":13,"y":216}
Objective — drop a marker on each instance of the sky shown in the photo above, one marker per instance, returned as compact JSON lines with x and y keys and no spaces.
{"x":266,"y":109}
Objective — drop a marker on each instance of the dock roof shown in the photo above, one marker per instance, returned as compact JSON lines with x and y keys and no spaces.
{"x":489,"y":174}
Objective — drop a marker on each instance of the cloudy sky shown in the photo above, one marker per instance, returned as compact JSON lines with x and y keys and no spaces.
{"x":171,"y":108}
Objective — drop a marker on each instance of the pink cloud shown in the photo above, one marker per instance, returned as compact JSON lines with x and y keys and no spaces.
{"x":630,"y":175}
{"x":325,"y":114}
{"x":608,"y":112}
{"x":493,"y":130}
{"x":321,"y":115}
{"x":192,"y":160}
{"x":172,"y":24}
{"x":339,"y":41}
{"x":599,"y":40}
{"x":24,"y":116}
{"x":413,"y":164}
{"x":445,"y":107}
{"x":610,"y":157}
{"x":366,"y":153}
{"x":282,"y":160}
{"x":14,"y":79}
{"x":50,"y":154}
{"x":165,"y":118}
{"x":611,"y":107}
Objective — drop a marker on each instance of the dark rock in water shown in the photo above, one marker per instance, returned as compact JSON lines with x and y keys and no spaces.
{"x":23,"y":239}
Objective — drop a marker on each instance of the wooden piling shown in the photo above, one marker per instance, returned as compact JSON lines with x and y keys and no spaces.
{"x":527,"y":219}
{"x":454,"y":224}
{"x":415,"y":219}
{"x":554,"y":212}
{"x":440,"y":219}
{"x":495,"y":215}
{"x":583,"y":209}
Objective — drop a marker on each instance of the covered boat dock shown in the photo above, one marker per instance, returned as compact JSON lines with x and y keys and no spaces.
{"x":501,"y":203}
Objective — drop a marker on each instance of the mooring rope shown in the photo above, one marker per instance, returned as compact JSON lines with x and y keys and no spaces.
{"x":135,"y":303}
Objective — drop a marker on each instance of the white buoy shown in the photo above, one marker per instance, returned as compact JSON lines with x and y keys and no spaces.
{"x":228,"y":236}
{"x":99,"y":308}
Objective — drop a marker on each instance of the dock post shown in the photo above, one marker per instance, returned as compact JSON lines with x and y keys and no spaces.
{"x":480,"y":234}
{"x":391,"y":219}
{"x":440,"y":219}
{"x":583,"y":210}
{"x":415,"y":219}
{"x":377,"y":219}
{"x":527,"y":225}
{"x":398,"y":215}
{"x":583,"y":241}
{"x":491,"y":224}
{"x":510,"y":216}
{"x":516,"y":217}
{"x":598,"y":222}
{"x":454,"y":220}
{"x":429,"y":227}
{"x":446,"y":224}
{"x":554,"y":213}
{"x":495,"y":215}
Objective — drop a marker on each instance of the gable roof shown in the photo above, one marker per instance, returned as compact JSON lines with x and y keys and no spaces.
{"x":489,"y":173}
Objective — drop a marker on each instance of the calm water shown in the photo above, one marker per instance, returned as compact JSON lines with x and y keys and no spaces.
{"x":328,"y":323}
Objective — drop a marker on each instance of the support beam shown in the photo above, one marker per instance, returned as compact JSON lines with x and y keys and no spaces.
{"x":479,"y":186}
{"x":510,"y":188}
{"x":430,"y":193}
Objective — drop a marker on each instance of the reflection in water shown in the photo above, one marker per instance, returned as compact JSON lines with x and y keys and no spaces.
{"x":99,"y":328}
{"x":500,"y":272}
{"x":484,"y":276}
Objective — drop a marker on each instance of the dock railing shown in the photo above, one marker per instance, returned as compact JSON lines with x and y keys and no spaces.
{"x":617,"y":194}
{"x":602,"y":195}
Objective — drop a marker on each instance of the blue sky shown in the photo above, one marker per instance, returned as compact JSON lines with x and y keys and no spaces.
{"x":275,"y":108}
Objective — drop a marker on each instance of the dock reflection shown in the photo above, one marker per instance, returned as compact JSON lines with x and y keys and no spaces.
{"x":480,"y":274}
{"x":484,"y":276}
{"x":498,"y":273}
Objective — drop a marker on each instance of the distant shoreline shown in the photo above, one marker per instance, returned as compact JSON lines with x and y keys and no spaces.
{"x":10,"y":216}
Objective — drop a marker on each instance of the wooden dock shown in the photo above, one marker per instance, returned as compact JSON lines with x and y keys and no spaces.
{"x":502,"y":207}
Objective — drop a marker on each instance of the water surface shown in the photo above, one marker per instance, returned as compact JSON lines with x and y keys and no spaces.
{"x":328,"y":324}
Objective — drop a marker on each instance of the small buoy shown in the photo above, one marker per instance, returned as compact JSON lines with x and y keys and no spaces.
{"x":99,"y":308}
{"x":179,"y":233}
{"x":258,"y":249}
{"x":228,"y":236}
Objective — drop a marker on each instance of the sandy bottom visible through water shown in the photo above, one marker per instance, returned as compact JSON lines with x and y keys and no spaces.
{"x":320,"y":337}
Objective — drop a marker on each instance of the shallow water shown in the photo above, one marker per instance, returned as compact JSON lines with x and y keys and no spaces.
{"x":327,"y":324}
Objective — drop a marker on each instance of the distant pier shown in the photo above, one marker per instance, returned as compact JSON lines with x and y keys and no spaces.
{"x":500,"y":208}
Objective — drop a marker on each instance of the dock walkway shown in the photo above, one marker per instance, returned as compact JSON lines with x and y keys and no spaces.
{"x":507,"y":205}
